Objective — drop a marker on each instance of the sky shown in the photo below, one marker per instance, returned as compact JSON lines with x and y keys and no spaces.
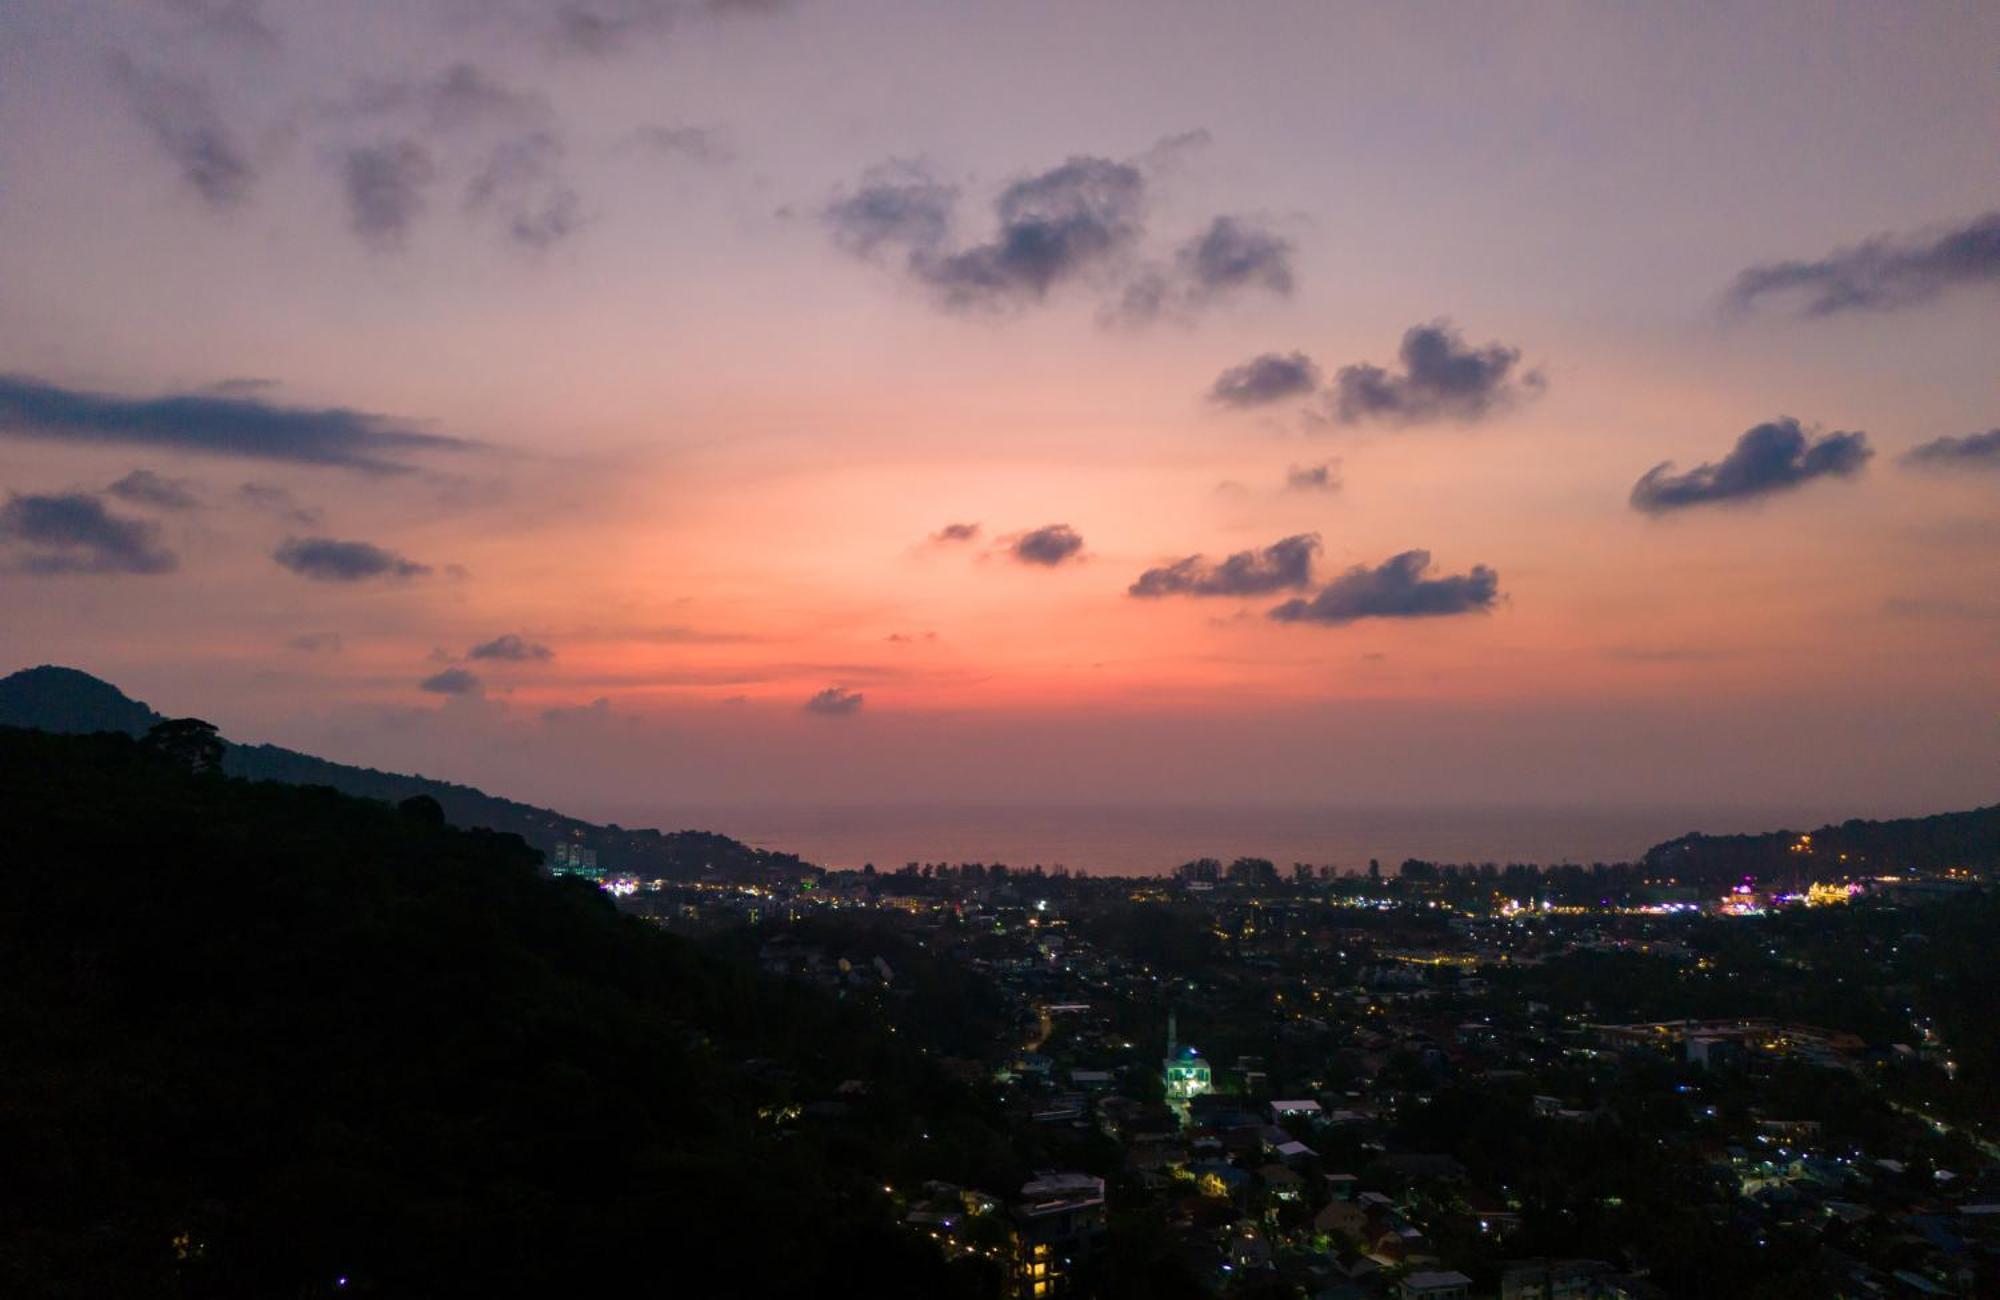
{"x":641,"y":403}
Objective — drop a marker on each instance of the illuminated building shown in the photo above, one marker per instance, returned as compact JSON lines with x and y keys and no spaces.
{"x":568,"y":859}
{"x":1057,"y":1222}
{"x":1187,"y":1074}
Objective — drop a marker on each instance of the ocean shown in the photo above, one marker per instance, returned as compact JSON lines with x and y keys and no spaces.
{"x":1137,"y":841}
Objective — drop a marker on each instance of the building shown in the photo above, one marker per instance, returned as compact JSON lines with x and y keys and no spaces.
{"x":1057,"y":1222}
{"x":570,"y":859}
{"x":1435,"y":1286}
{"x":1551,"y":1279}
{"x":1187,"y":1074}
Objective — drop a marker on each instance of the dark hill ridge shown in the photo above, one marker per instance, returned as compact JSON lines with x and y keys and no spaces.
{"x":68,"y":701}
{"x":1938,"y":842}
{"x":267,"y":1040}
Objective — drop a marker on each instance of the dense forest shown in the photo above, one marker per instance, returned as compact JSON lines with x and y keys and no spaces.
{"x":272,"y":1040}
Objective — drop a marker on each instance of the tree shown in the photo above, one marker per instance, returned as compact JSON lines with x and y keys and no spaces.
{"x":422,"y":809}
{"x":186,"y":742}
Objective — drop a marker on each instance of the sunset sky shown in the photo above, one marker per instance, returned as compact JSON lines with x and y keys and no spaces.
{"x":618,"y":403}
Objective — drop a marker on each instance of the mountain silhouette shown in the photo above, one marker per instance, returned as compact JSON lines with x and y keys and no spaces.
{"x":69,"y":701}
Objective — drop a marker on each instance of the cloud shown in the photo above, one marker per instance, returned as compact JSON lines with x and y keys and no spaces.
{"x":240,"y":21}
{"x":142,"y":487}
{"x":516,"y":161}
{"x":1169,"y":152}
{"x":521,"y":182}
{"x":1973,"y":451}
{"x":1083,"y":220}
{"x":1880,"y":274}
{"x":180,"y":114}
{"x":955,"y":533}
{"x":1053,"y":227}
{"x":385,"y":185}
{"x":1773,"y":457}
{"x":898,"y":205}
{"x":1262,"y":380}
{"x":240,"y":386}
{"x":604,"y":27}
{"x":220,"y":426}
{"x":835,"y":702}
{"x":325,"y":560}
{"x":269,"y":496}
{"x":511,"y":649}
{"x":1395,"y":589}
{"x":452,"y":681}
{"x":1281,"y":566}
{"x":1232,"y":255}
{"x":315,"y":642}
{"x":464,"y":95}
{"x":1442,"y":379}
{"x":706,"y":145}
{"x":1048,"y":546}
{"x":1237,"y":253}
{"x":72,"y":532}
{"x":1324,"y":477}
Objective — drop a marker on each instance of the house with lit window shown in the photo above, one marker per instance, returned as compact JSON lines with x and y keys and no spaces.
{"x":1058,"y":1221}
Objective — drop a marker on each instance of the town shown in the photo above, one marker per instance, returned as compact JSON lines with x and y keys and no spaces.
{"x":1428,"y":1081}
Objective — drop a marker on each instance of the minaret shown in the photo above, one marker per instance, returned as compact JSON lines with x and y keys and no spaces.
{"x":1173,"y":1035}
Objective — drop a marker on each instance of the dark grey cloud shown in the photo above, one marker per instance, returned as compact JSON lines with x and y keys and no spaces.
{"x":324,"y":559}
{"x":1324,"y":477}
{"x":219,"y":426}
{"x":706,"y":145}
{"x":143,"y":487}
{"x":521,"y":182}
{"x":1397,"y":588}
{"x":181,"y":116}
{"x":72,"y":532}
{"x":1083,"y":221}
{"x":1773,"y":457}
{"x":1880,"y":274}
{"x":835,"y":702}
{"x":956,"y":533}
{"x":1053,"y":227}
{"x":1048,"y":546}
{"x":1284,"y":565}
{"x":385,"y":184}
{"x":1262,"y":380}
{"x":899,"y":206}
{"x":1973,"y":451}
{"x":452,"y":681}
{"x":510,"y":648}
{"x":1441,"y":379}
{"x":1237,"y":253}
{"x":1232,"y":255}
{"x":315,"y":642}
